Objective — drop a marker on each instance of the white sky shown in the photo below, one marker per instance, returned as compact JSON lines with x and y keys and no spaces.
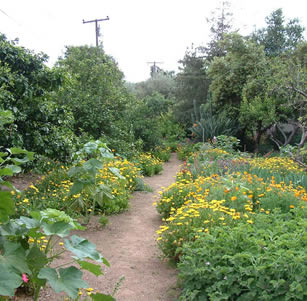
{"x":139,"y":31}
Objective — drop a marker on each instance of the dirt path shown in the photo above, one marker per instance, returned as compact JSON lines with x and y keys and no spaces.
{"x":128,"y":243}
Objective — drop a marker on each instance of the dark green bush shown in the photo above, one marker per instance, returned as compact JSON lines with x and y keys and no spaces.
{"x":262,"y":261}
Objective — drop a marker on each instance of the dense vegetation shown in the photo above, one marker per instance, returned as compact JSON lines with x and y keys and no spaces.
{"x":230,"y":215}
{"x":235,"y":225}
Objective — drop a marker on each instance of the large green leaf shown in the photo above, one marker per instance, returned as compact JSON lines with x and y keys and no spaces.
{"x":17,"y":151}
{"x":13,"y":227}
{"x":14,"y":168}
{"x":82,"y":248}
{"x":69,"y":280}
{"x":36,"y":259}
{"x":6,"y":206}
{"x":14,"y":256}
{"x":30,"y":223}
{"x":61,"y":229}
{"x":116,"y":172}
{"x":9,"y":280}
{"x":91,"y":267}
{"x":102,"y":297}
{"x":6,"y":171}
{"x":18,"y":161}
{"x":93,"y":164}
{"x":76,"y":188}
{"x":74,"y":171}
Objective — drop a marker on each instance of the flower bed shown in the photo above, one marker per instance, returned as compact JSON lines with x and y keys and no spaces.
{"x":236,"y":234}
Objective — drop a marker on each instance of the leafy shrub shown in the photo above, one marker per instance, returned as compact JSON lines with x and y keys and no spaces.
{"x":185,"y":150}
{"x":260,"y":261}
{"x":207,"y":124}
{"x":226,"y":143}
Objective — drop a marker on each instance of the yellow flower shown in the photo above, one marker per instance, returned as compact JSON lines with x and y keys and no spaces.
{"x":233,"y":198}
{"x":291,"y":206}
{"x":250,"y":221}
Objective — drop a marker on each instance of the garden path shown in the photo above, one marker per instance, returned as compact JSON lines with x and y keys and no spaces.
{"x":128,"y":243}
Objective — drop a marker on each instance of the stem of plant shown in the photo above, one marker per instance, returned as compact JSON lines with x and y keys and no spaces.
{"x":47,"y":247}
{"x":62,"y":265}
{"x":36,"y":292}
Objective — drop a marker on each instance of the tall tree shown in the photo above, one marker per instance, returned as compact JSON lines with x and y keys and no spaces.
{"x":289,"y":83}
{"x":220,"y":23}
{"x":193,"y":81}
{"x":27,"y":86}
{"x":279,"y":36}
{"x":95,"y":92}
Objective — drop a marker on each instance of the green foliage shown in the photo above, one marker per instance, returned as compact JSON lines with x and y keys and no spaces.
{"x":28,"y":247}
{"x":27,"y":88}
{"x":171,"y":131}
{"x":162,"y":153}
{"x":103,"y":220}
{"x":193,"y":81}
{"x":96,"y":186}
{"x":148,"y":164}
{"x":185,"y":150}
{"x":94,"y":90}
{"x":162,"y":83}
{"x":192,"y":84}
{"x":278,"y":37}
{"x":211,"y":124}
{"x":226,"y":143}
{"x":242,"y":61}
{"x":217,"y":188}
{"x":262,"y":261}
{"x":143,"y":117}
{"x":10,"y":161}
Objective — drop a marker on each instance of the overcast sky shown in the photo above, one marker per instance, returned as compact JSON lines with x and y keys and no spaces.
{"x":139,"y":31}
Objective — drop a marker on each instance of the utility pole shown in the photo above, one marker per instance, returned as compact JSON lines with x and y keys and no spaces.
{"x":154,"y":69}
{"x":96,"y":26}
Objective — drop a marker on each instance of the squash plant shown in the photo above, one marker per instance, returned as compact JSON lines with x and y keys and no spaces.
{"x":28,"y":246}
{"x":85,"y":174}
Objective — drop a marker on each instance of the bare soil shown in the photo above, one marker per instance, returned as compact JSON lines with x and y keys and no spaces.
{"x":128,"y":242}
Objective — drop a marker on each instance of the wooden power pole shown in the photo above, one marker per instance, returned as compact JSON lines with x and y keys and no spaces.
{"x":154,"y":69}
{"x":96,"y":26}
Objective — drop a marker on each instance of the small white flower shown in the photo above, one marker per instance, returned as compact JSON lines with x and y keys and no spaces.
{"x":207,"y":263}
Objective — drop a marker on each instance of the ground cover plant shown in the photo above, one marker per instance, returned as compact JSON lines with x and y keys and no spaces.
{"x":260,"y":261}
{"x":253,"y":205}
{"x":148,"y":164}
{"x":162,"y":153}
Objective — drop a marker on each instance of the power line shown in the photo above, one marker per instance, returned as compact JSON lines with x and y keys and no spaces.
{"x":3,"y":12}
{"x":97,"y":28}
